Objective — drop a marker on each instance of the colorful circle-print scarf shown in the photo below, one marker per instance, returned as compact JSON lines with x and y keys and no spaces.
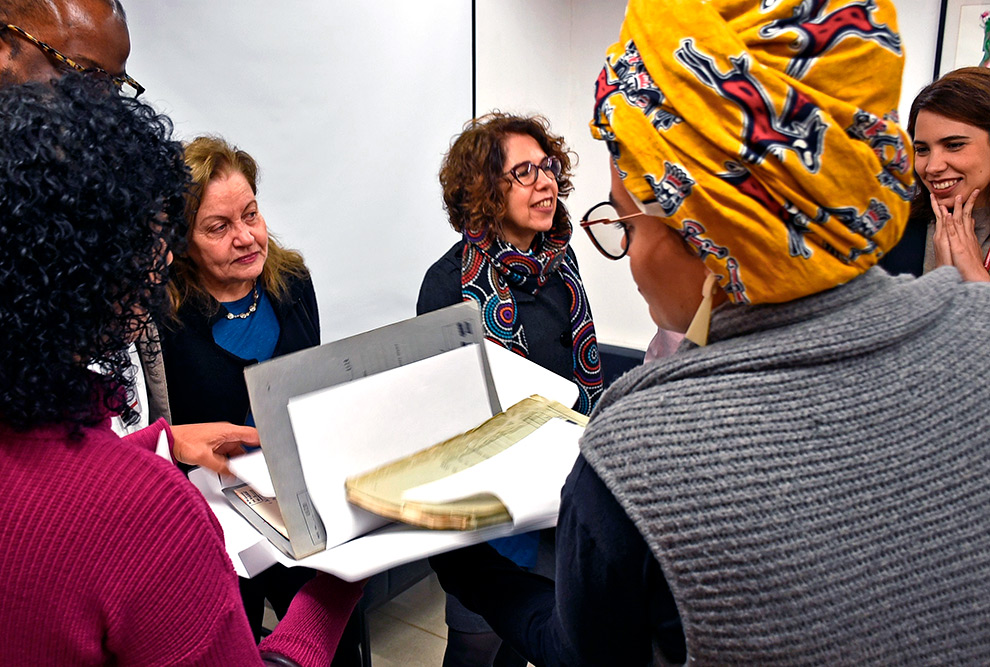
{"x":490,"y":267}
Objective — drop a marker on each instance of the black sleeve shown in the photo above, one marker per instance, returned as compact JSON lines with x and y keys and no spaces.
{"x":441,"y":286}
{"x":908,"y":255}
{"x":312,"y":308}
{"x":610,"y":598}
{"x":299,"y":318}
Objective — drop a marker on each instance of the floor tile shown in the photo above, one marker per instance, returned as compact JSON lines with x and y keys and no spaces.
{"x":421,"y":606}
{"x":396,"y":642}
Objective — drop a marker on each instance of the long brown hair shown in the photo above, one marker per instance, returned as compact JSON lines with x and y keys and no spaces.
{"x":471,"y":173}
{"x":208,"y":158}
{"x":962,"y":95}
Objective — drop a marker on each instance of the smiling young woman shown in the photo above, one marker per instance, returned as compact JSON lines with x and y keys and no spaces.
{"x":950,"y":124}
{"x":952,"y":158}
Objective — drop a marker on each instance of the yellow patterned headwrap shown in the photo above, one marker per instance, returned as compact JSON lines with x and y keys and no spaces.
{"x":765,"y":132}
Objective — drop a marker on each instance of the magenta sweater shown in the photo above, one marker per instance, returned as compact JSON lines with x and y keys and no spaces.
{"x":109,"y":555}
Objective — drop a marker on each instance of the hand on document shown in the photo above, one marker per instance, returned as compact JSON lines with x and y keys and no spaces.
{"x":210,"y":445}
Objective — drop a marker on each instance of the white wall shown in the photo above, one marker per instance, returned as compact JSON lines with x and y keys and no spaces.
{"x":349,"y":107}
{"x":543,"y":57}
{"x":918,"y":23}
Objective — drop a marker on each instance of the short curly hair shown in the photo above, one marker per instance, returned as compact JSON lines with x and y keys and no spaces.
{"x":472,"y":171}
{"x":92,"y":199}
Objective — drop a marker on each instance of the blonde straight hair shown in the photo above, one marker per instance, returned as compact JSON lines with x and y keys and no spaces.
{"x":208,"y":158}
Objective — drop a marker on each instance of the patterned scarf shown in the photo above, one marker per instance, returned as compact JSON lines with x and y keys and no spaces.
{"x":765,"y":133}
{"x":490,"y":267}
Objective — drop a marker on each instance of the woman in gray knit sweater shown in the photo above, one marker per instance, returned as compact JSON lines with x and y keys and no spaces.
{"x":805,"y":482}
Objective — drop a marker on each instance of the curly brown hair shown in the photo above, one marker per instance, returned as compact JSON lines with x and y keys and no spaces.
{"x":472,"y":172}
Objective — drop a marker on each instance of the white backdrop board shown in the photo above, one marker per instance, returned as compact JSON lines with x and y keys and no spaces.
{"x":348,"y":108}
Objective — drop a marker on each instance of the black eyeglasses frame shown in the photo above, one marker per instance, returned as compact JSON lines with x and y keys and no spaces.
{"x":547,"y":166}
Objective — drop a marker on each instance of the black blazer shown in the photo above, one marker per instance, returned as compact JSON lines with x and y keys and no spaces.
{"x":205,"y":381}
{"x":545,"y":316}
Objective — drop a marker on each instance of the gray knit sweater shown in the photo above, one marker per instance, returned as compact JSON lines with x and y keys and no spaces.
{"x":816,"y":483}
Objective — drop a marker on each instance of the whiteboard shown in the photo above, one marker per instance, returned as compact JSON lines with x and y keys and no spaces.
{"x":348,"y":107}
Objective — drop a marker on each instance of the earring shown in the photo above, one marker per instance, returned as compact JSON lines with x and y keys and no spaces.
{"x":697,"y":333}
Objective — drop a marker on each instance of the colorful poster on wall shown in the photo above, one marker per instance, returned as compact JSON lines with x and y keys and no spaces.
{"x":963,"y":39}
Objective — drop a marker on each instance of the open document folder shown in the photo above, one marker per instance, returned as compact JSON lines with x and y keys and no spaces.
{"x":411,"y":385}
{"x":493,"y":473}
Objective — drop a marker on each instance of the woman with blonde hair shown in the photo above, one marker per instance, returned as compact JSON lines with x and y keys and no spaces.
{"x":237,"y":298}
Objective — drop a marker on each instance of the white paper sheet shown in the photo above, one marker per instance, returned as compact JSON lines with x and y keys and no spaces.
{"x":248,"y":549}
{"x":357,"y":426}
{"x":161,"y":447}
{"x":252,"y":469}
{"x":393,"y":544}
{"x":524,"y":477}
{"x":517,"y":377}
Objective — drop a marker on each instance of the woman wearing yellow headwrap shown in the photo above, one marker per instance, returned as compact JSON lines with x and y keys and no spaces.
{"x":811,"y":486}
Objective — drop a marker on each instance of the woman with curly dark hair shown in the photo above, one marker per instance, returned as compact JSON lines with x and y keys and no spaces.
{"x":502,"y":181}
{"x":109,"y":554}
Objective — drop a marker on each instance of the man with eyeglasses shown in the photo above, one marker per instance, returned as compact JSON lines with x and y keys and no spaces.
{"x":40,"y":39}
{"x":43,"y":39}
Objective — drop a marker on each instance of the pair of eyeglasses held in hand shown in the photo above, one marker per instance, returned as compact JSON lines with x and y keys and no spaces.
{"x":124,"y":83}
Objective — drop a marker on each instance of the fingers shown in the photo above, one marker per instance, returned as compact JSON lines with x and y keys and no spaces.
{"x":970,"y":203}
{"x":937,"y":208}
{"x":229,"y":449}
{"x":965,"y":224}
{"x":940,"y":239}
{"x":247,"y":435}
{"x":218,"y":464}
{"x":218,"y":459}
{"x":209,"y":445}
{"x":951,"y":221}
{"x":959,"y":223}
{"x":964,"y":250}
